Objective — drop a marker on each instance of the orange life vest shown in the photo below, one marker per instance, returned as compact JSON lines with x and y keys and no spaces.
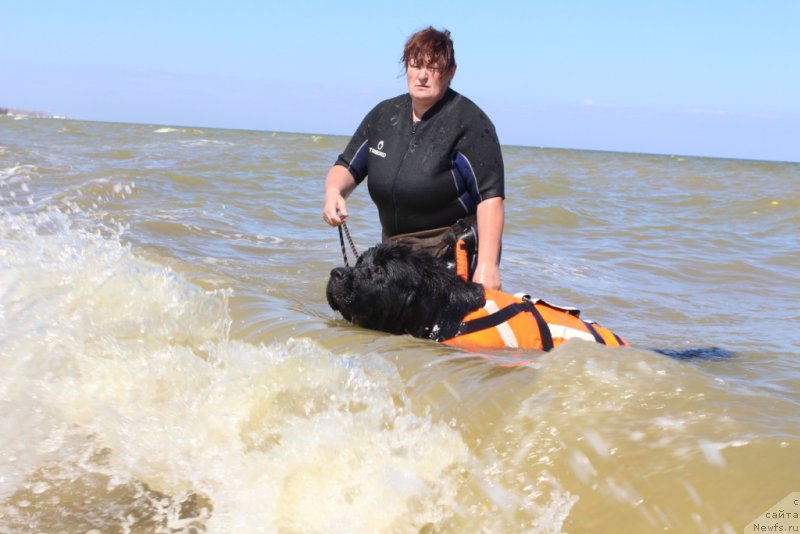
{"x":518,"y":322}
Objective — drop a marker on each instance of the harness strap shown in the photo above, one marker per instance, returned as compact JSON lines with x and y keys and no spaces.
{"x":544,"y":328}
{"x":491,"y":320}
{"x":505,"y":314}
{"x":593,"y":331}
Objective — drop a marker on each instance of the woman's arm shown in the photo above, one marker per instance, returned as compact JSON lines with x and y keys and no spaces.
{"x":491,"y":216}
{"x":338,"y":186}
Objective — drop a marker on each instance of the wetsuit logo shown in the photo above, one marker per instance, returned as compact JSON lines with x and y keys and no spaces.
{"x":377,"y":151}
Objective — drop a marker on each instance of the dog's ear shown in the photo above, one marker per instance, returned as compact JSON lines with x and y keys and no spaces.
{"x":410,"y":298}
{"x":412,"y":320}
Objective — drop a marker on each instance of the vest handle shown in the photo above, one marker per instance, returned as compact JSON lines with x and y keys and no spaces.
{"x":462,"y":261}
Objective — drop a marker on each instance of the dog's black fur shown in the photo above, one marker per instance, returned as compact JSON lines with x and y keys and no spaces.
{"x":400,"y":291}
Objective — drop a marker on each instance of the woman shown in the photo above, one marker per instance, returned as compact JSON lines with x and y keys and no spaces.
{"x":434,"y":163}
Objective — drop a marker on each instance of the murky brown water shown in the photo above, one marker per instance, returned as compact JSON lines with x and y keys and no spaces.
{"x":169,"y":362}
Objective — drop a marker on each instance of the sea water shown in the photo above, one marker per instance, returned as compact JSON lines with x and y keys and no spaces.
{"x":170,"y":364}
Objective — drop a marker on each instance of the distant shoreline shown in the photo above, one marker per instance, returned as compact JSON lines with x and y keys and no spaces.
{"x":25,"y":113}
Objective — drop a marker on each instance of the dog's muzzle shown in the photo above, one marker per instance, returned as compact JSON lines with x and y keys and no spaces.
{"x":336,"y":291}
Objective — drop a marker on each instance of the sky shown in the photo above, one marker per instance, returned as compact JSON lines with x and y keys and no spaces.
{"x":681,"y":77}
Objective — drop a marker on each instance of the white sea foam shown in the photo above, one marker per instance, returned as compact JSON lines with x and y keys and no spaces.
{"x":204,"y":142}
{"x":17,"y":172}
{"x":104,"y":351}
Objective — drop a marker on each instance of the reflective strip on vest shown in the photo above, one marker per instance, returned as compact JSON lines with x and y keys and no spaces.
{"x":565,"y":332}
{"x":504,"y":329}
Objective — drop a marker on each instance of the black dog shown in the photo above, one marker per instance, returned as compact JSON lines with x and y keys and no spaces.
{"x":397,"y":290}
{"x":400,"y":291}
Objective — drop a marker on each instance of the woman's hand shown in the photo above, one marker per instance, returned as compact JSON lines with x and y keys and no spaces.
{"x":338,"y":185}
{"x":488,"y":275}
{"x":335,"y":210}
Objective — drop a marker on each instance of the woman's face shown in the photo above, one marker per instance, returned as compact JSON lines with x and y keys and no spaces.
{"x":427,"y":84}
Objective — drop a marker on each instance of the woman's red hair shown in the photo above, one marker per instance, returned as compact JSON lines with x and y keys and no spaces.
{"x":431,"y":48}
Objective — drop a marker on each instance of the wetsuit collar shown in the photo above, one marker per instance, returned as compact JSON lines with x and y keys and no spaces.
{"x":448,"y":96}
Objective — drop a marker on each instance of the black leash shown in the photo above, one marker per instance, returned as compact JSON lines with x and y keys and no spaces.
{"x":350,"y":240}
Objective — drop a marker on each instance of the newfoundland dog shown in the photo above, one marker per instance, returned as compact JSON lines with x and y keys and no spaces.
{"x":396,"y":290}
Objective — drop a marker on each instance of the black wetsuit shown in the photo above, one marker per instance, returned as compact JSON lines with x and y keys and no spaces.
{"x":428,"y":174}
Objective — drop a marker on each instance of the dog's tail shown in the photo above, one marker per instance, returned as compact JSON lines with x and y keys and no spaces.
{"x":462,"y":260}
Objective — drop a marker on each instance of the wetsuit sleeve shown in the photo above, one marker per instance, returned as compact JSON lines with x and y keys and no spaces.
{"x":479,"y":159}
{"x":355,"y":153}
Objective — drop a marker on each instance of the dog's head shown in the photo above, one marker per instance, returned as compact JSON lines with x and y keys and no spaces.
{"x":397,"y":290}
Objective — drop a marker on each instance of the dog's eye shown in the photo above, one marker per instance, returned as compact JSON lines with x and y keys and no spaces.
{"x":379,"y":272}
